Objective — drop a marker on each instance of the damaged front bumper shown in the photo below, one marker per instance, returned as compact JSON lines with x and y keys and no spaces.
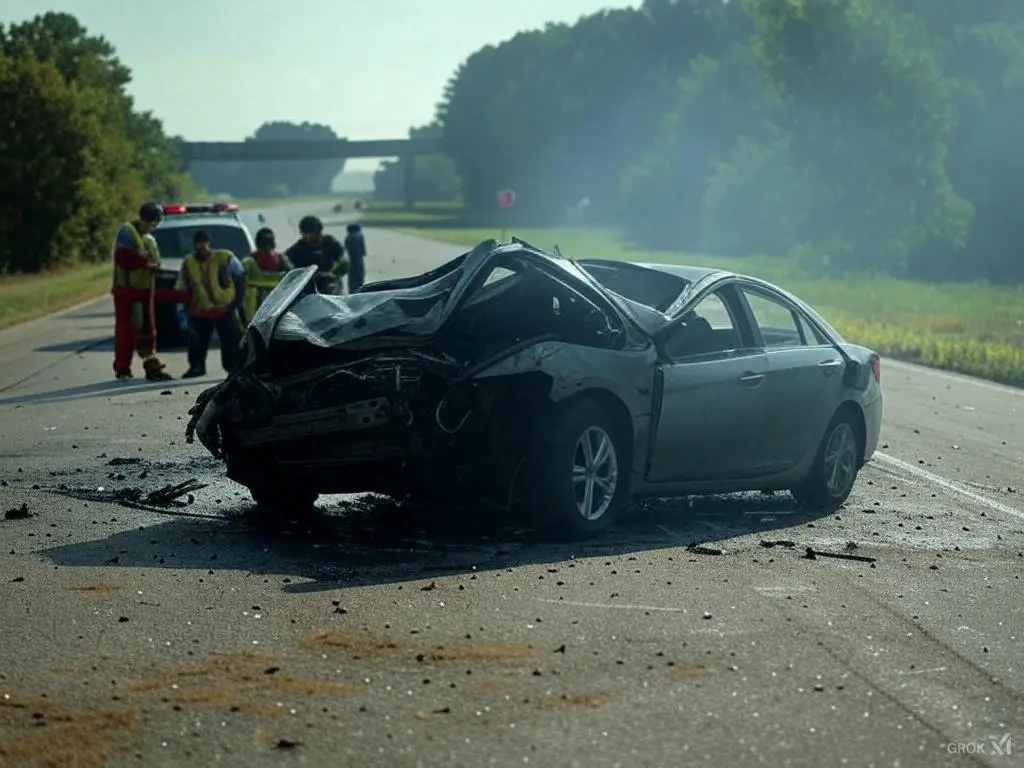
{"x":391,"y":423}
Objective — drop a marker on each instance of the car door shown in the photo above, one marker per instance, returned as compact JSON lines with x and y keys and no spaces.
{"x":711,"y":395}
{"x":805,"y":376}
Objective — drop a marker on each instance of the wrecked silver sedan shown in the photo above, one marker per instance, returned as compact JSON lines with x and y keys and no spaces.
{"x":537,"y":383}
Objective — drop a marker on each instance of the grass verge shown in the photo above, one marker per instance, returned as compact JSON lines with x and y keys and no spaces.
{"x":26,"y":297}
{"x":970,"y":328}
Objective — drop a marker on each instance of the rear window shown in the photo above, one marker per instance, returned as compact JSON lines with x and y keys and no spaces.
{"x":176,"y":242}
{"x":645,"y":286}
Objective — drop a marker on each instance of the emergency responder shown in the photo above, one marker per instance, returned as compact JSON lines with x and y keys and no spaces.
{"x":355,"y":246}
{"x":325,"y":251}
{"x":264,"y":269}
{"x":206,"y":274}
{"x":136,"y":260}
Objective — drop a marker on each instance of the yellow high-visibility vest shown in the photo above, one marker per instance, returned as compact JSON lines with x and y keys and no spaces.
{"x":203,"y":277}
{"x":135,"y":279}
{"x":258,"y":284}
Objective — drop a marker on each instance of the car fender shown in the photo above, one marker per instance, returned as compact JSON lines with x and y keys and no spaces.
{"x":628,"y":375}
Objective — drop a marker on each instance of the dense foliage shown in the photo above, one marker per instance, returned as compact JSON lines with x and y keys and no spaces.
{"x":75,"y":156}
{"x":263,"y":178}
{"x":856,"y":135}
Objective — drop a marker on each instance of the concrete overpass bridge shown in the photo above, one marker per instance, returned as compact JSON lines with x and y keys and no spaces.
{"x":331,"y":149}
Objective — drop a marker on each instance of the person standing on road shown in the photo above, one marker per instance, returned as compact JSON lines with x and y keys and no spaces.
{"x":264,"y":269}
{"x":314,"y":247}
{"x":355,"y":246}
{"x":136,"y":260}
{"x":206,"y":273}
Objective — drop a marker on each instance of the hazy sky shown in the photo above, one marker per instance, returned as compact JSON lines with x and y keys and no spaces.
{"x":368,"y":68}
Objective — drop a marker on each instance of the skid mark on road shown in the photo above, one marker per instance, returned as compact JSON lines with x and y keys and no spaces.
{"x":910,"y":666}
{"x":622,"y":607}
{"x":953,"y":486}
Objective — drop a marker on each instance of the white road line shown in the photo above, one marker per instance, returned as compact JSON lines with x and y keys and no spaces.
{"x":958,"y":378}
{"x":946,"y":484}
{"x":621,"y":607}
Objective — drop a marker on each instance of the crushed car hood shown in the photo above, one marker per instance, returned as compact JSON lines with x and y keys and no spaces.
{"x":405,"y":308}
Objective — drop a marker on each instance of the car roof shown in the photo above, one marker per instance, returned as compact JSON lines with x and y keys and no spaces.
{"x":201,"y":219}
{"x":688,"y":273}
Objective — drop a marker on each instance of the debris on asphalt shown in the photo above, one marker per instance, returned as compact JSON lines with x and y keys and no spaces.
{"x":18,"y":513}
{"x":120,"y":462}
{"x":286,"y":744}
{"x":778,"y":543}
{"x":814,"y":554}
{"x":700,"y":549}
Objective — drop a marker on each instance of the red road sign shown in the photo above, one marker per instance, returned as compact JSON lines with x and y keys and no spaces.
{"x":506,"y":198}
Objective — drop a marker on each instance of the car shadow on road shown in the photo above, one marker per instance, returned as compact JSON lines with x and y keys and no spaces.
{"x":373,"y":540}
{"x":106,"y":344}
{"x":102,"y":388}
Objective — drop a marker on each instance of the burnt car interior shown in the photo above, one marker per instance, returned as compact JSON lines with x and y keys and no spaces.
{"x":513,"y":303}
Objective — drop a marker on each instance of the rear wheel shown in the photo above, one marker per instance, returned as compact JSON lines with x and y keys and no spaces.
{"x":835,"y":469}
{"x":283,"y":502}
{"x":578,"y":472}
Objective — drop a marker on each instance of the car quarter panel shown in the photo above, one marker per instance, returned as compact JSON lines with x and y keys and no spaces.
{"x":574,"y":369}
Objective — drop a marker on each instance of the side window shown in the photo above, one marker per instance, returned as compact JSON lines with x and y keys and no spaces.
{"x":778,"y":323}
{"x":812,"y":336}
{"x":707,"y":329}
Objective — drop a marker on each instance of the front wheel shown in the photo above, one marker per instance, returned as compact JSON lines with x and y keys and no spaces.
{"x":577,"y":479}
{"x":284,"y":502}
{"x":835,"y":469}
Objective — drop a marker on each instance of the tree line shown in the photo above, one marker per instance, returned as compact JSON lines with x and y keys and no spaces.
{"x":855,"y":135}
{"x":76,"y":157}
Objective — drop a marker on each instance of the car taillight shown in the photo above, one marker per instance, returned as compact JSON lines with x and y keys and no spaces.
{"x":876,"y":368}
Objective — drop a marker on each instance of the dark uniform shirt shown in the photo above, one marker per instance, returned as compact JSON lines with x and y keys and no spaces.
{"x":328,"y":255}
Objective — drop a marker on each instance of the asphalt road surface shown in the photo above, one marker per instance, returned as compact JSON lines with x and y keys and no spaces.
{"x":194,"y":636}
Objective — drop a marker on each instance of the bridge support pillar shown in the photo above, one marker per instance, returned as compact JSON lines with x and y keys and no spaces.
{"x":409,"y":180}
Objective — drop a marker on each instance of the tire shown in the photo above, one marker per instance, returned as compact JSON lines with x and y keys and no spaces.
{"x":284,"y":502}
{"x":169,"y":333}
{"x":841,"y":446}
{"x":556,"y":478}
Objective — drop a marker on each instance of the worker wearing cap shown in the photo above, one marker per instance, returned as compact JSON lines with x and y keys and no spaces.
{"x":136,"y":260}
{"x":325,"y":251}
{"x":264,"y":269}
{"x":206,"y":274}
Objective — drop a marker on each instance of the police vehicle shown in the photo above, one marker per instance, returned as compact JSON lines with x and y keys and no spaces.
{"x":223,"y":222}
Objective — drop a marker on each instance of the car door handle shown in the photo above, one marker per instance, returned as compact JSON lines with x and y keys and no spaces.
{"x":828,"y":367}
{"x":752,"y":379}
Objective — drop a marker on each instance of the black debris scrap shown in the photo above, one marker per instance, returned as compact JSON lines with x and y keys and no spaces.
{"x":813,"y":554}
{"x":286,"y":744}
{"x":778,"y":543}
{"x":170,"y":495}
{"x":121,"y":462}
{"x":700,"y":549}
{"x":18,"y":513}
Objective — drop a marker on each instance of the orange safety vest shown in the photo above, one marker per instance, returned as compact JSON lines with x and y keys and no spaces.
{"x":209,"y":297}
{"x":134,"y":279}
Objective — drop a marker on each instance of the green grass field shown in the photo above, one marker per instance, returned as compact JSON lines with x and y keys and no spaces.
{"x":969,"y":328}
{"x":25,"y":297}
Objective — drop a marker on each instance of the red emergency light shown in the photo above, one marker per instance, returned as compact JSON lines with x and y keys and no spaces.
{"x":174,"y":209}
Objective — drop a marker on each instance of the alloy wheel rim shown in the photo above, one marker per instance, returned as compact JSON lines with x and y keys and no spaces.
{"x":840,"y":460}
{"x":595,"y":473}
